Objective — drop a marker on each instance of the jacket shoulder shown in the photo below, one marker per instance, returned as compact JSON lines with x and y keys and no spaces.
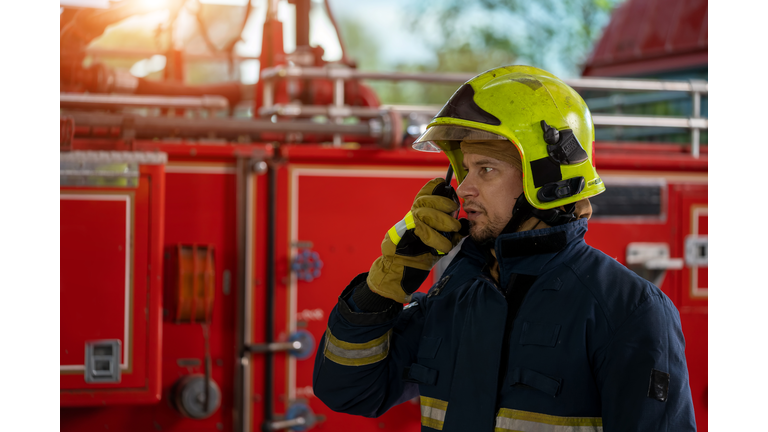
{"x":618,"y":291}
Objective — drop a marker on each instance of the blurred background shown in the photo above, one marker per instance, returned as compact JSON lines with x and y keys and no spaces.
{"x":220,"y":41}
{"x":209,"y":150}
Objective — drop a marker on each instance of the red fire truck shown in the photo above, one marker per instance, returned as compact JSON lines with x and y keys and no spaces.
{"x":199,"y":258}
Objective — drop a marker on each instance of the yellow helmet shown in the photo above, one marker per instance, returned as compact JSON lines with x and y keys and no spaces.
{"x":543,"y":117}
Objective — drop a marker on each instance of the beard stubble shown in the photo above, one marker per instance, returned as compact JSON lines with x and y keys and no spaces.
{"x":487,"y":231}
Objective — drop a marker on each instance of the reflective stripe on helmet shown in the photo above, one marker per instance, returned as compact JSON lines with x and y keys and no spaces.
{"x":523,"y":421}
{"x":356,"y":354}
{"x":433,"y":412}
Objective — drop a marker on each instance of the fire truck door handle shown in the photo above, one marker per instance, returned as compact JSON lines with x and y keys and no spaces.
{"x":652,"y":256}
{"x":664,"y":264}
{"x":300,"y":344}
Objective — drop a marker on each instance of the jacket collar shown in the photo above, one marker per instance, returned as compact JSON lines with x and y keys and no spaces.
{"x":538,"y":251}
{"x":531,"y":252}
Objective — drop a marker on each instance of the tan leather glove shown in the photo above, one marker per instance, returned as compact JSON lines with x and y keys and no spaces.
{"x":414,"y":245}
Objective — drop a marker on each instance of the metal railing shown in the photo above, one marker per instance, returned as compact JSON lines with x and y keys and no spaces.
{"x":113,"y":101}
{"x":337,"y":110}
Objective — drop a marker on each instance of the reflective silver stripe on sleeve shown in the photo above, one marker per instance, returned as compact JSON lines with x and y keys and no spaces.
{"x":433,"y":412}
{"x":359,"y":354}
{"x":523,"y":421}
{"x":356,"y":354}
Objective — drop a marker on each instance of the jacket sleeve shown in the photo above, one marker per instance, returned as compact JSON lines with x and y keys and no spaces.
{"x":642,"y":372}
{"x":361,"y":358}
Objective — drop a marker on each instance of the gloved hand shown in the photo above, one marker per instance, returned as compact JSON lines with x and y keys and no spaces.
{"x":414,"y":245}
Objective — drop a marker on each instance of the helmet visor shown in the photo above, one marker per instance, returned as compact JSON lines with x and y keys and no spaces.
{"x":439,"y":137}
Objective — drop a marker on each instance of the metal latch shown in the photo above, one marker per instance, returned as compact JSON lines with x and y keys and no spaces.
{"x":651,"y":261}
{"x":696,"y":250}
{"x":653,"y":256}
{"x":102,"y":361}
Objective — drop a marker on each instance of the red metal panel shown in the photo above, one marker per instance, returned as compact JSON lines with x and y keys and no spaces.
{"x":651,"y":161}
{"x":344,"y":211}
{"x":200,"y":208}
{"x":693,"y":215}
{"x":93,"y":256}
{"x":316,"y":206}
{"x":694,"y":304}
{"x":95,"y":286}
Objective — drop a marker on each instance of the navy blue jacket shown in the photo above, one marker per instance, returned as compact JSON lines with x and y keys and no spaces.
{"x":578,"y":343}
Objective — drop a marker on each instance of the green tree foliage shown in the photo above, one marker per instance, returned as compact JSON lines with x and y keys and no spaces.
{"x":556,"y":35}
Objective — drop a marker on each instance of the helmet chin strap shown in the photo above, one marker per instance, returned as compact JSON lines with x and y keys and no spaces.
{"x":523,"y":210}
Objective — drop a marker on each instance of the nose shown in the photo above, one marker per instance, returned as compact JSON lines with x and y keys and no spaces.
{"x":467,"y":188}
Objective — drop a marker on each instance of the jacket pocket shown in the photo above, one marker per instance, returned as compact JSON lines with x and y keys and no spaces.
{"x":547,"y":384}
{"x":420,"y":374}
{"x":428,"y":347}
{"x":539,"y":334}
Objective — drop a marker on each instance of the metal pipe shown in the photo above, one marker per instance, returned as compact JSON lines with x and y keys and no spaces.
{"x":269,"y":363}
{"x":268,"y":94}
{"x":91,"y":101}
{"x":695,"y":138}
{"x":578,"y":83}
{"x":132,"y":53}
{"x":155,"y":126}
{"x":272,"y":9}
{"x":338,"y":102}
{"x":650,"y":121}
{"x":244,"y":191}
{"x":302,"y":22}
{"x":346,"y":73}
{"x":631,"y":85}
{"x":296,"y":110}
{"x":598,"y":119}
{"x":242,"y":357}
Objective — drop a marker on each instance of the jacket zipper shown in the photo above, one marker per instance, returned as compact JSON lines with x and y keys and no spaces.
{"x":517,"y":290}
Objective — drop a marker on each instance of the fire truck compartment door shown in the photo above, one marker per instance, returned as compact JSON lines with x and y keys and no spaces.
{"x":110,"y":248}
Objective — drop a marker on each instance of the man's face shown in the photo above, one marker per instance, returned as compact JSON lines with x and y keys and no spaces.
{"x":489,"y":191}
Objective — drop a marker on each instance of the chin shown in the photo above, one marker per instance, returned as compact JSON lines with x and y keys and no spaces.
{"x":480,"y":233}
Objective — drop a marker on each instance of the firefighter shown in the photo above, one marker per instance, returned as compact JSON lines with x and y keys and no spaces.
{"x":528,"y":328}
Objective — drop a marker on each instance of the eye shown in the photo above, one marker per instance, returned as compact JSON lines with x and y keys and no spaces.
{"x":487,"y":169}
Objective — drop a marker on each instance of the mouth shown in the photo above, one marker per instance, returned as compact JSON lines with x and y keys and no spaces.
{"x":472,"y":213}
